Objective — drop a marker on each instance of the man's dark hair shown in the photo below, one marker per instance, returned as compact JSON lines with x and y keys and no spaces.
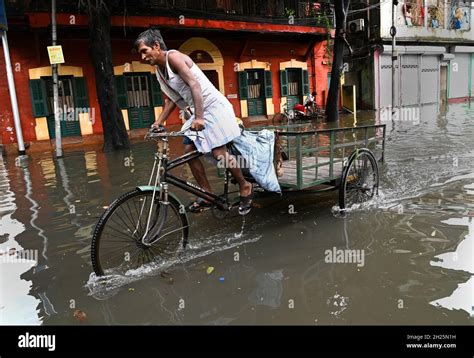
{"x":149,"y":37}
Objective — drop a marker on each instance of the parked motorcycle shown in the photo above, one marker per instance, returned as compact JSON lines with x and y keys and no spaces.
{"x":309,"y":111}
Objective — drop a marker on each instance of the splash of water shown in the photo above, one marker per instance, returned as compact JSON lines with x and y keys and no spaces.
{"x":104,"y":287}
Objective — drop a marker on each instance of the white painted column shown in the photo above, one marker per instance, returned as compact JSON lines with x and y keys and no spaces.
{"x":12,"y":90}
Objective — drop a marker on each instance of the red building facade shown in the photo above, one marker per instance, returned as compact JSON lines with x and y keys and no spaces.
{"x":259,"y":65}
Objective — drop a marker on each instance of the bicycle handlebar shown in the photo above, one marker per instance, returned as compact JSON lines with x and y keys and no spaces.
{"x":153,"y":133}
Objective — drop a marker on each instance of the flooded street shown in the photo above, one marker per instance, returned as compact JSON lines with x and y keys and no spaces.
{"x":415,"y":242}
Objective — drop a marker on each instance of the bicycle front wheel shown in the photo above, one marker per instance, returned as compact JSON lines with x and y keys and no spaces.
{"x":117,"y":238}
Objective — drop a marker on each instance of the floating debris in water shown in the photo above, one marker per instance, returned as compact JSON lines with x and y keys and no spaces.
{"x":164,"y":274}
{"x":80,"y":316}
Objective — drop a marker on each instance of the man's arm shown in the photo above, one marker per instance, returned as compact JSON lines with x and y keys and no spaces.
{"x":167,"y":109}
{"x":178,"y":62}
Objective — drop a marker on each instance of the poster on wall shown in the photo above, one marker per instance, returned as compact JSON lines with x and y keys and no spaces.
{"x":436,"y":14}
{"x":55,"y":54}
{"x":460,"y":16}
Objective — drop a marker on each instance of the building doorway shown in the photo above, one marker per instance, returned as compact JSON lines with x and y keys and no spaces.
{"x":256,"y":92}
{"x":69,"y":119}
{"x":140,"y":109}
{"x":295,"y":90}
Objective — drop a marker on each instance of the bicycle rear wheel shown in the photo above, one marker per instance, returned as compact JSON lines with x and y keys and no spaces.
{"x":116,"y":241}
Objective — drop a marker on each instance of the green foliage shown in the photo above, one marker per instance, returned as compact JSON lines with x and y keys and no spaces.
{"x":323,"y":20}
{"x":289,"y":12}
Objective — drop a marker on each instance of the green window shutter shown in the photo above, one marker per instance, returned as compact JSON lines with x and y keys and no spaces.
{"x":147,"y":117}
{"x":305,"y":84}
{"x":268,"y":84}
{"x":243,"y":85}
{"x":38,"y":98}
{"x":121,"y":88}
{"x":252,"y":107}
{"x":156,"y":95}
{"x":81,"y":99}
{"x":70,"y":128}
{"x":284,"y":83}
{"x":134,"y":118}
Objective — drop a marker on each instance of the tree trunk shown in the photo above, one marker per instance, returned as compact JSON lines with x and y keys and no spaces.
{"x":332,"y":105}
{"x":115,"y":133}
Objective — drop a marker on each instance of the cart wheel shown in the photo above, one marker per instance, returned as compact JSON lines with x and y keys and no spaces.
{"x":360,"y":179}
{"x":280,"y":119}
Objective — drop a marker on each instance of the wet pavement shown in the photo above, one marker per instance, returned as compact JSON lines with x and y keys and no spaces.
{"x":415,"y":242}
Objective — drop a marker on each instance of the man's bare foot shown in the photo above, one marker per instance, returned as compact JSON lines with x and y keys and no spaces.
{"x":246,"y":196}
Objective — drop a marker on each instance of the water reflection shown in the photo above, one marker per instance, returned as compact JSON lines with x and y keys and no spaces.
{"x":17,"y":306}
{"x":460,"y":259}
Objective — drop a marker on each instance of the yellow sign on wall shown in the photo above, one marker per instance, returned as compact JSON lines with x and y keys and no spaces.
{"x":55,"y":54}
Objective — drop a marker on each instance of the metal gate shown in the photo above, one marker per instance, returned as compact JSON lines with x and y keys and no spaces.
{"x":409,"y":80}
{"x":385,"y":84}
{"x":417,"y":80}
{"x":459,"y":76}
{"x":430,"y":80}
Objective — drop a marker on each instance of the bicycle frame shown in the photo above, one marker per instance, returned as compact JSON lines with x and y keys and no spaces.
{"x":162,"y":178}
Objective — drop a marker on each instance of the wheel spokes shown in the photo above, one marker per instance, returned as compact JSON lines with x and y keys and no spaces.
{"x":121,"y":248}
{"x":360,"y":180}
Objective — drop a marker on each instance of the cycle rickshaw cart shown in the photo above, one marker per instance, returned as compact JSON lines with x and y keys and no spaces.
{"x":150,"y":223}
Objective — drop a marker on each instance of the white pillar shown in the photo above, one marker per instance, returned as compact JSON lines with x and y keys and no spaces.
{"x":11,"y":88}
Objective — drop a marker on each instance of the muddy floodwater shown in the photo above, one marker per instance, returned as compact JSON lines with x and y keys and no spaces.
{"x":277,"y":266}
